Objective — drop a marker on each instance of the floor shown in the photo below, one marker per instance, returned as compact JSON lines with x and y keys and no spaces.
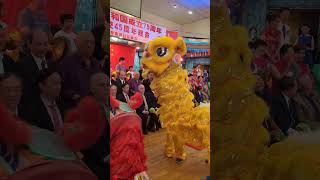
{"x":162,"y":168}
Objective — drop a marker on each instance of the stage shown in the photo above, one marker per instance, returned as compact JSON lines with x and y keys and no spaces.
{"x":160,"y":167}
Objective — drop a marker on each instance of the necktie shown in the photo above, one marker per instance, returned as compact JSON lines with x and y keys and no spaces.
{"x":43,"y":65}
{"x":127,"y":98}
{"x":55,"y":117}
{"x":284,"y":31}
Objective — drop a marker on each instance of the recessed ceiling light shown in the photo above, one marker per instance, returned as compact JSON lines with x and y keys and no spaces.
{"x":189,"y":12}
{"x":174,"y":6}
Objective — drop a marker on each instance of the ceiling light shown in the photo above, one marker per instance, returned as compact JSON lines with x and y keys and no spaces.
{"x":174,"y":6}
{"x":189,"y":12}
{"x":138,"y":48}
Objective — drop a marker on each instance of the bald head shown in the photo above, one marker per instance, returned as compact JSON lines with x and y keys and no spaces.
{"x":99,"y":86}
{"x":38,"y":43}
{"x":85,"y":42}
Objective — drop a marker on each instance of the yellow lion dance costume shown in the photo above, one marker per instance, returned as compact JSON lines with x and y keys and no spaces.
{"x":240,"y":142}
{"x":184,"y":123}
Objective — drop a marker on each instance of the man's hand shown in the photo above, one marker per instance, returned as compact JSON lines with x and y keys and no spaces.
{"x":141,"y":176}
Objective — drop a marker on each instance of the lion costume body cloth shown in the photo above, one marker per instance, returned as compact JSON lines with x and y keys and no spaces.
{"x":240,"y":141}
{"x":184,"y":123}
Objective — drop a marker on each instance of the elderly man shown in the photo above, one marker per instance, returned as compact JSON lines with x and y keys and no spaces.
{"x":134,"y":82}
{"x":120,"y":81}
{"x":77,"y":69}
{"x":308,"y":101}
{"x":30,"y":66}
{"x":96,"y":157}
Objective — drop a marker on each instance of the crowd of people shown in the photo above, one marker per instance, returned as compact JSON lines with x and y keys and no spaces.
{"x":285,"y":77}
{"x":47,"y":70}
{"x":199,"y":85}
{"x":125,"y":83}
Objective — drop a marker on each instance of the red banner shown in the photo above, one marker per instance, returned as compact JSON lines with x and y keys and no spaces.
{"x":128,"y":27}
{"x":117,"y":51}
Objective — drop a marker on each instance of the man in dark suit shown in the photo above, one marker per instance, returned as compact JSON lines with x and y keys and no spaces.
{"x":143,"y":110}
{"x":97,"y":156}
{"x":30,"y":66}
{"x":47,"y":112}
{"x":6,"y":63}
{"x":124,"y":96}
{"x":147,"y":82}
{"x":198,"y":95}
{"x":120,"y":81}
{"x":283,"y":108}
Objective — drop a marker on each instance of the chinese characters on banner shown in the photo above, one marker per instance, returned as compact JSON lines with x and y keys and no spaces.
{"x":132,"y":28}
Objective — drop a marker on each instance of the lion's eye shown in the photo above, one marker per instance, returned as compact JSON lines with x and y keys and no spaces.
{"x":162,"y":51}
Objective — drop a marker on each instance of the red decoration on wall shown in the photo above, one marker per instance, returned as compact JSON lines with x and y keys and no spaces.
{"x":54,"y":9}
{"x":173,"y":34}
{"x":119,"y":50}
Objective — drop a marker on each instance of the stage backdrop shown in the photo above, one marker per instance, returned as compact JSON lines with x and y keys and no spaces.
{"x":117,"y":51}
{"x":53,"y":10}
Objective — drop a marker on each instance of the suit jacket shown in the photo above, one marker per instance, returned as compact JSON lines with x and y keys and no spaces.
{"x":198,"y":96}
{"x":38,"y":114}
{"x":121,"y":97}
{"x":142,"y":107}
{"x":8,"y":64}
{"x":147,"y":84}
{"x":29,"y":71}
{"x":281,"y":115}
{"x":151,"y":100}
{"x":119,"y":84}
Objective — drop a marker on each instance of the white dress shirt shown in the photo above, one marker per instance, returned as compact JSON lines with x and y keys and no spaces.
{"x":39,"y":61}
{"x":285,"y":40}
{"x":126,"y":96}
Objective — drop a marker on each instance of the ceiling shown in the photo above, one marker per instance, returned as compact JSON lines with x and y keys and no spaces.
{"x":179,"y":15}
